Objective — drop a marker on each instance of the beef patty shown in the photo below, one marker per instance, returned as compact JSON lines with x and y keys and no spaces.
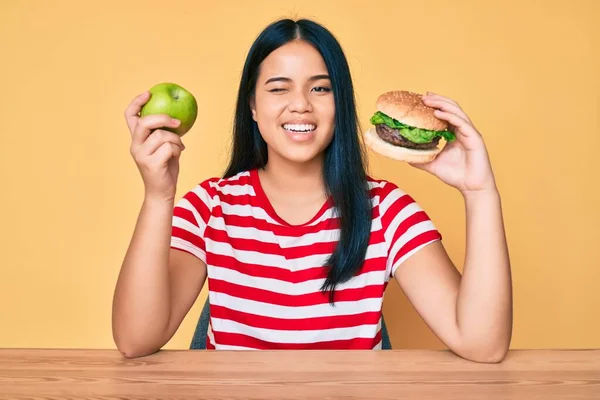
{"x":393,"y":136}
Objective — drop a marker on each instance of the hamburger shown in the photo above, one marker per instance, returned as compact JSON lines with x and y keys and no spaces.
{"x":406,"y":129}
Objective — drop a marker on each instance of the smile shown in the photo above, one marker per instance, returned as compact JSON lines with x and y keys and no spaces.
{"x":299,"y":128}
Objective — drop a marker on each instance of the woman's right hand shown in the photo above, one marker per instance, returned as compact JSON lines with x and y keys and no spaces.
{"x":155,"y":151}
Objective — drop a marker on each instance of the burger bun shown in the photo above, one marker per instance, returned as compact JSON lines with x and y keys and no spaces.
{"x":409,"y":108}
{"x":380,"y":146}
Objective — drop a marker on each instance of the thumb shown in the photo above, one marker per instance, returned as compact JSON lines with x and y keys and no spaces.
{"x":428,"y":166}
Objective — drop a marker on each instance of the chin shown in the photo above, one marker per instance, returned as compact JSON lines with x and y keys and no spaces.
{"x":299,"y":156}
{"x":302,"y":157}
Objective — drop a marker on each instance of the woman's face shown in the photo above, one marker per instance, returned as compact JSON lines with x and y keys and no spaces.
{"x":293,"y":104}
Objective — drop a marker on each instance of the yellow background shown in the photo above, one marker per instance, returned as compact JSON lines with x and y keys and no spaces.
{"x":527,"y":72}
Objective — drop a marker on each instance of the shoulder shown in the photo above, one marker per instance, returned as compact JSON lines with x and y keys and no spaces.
{"x":225,"y":185}
{"x":220,"y":186}
{"x":383,"y":191}
{"x":395,"y":206}
{"x":210,"y":190}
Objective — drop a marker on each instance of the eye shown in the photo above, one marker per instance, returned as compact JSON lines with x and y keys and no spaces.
{"x":277,"y":90}
{"x":322,"y":89}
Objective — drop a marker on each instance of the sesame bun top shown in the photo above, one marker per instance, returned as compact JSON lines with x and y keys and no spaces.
{"x":408,"y":108}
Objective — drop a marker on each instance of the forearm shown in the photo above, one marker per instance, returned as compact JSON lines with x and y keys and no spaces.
{"x":484,"y":305}
{"x":141,"y":304}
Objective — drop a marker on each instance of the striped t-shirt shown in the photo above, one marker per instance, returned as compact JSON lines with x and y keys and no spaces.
{"x":264,"y":275}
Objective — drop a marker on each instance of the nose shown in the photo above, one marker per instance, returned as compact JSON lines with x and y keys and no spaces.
{"x":299,"y":102}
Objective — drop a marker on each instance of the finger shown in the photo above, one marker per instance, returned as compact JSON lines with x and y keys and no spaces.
{"x":145,"y":126}
{"x":157,"y":139}
{"x":423,"y":166}
{"x":132,"y":111}
{"x":447,"y":106}
{"x":463,"y":127}
{"x":440,"y":97}
{"x":430,"y":166}
{"x":165,"y":152}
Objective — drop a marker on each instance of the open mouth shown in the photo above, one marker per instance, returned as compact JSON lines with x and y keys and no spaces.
{"x":301,"y":128}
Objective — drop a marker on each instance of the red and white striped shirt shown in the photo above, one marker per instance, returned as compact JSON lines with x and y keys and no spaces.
{"x":264,"y":275}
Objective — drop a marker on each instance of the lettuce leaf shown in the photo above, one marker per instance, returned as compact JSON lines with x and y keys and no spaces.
{"x":415,"y":135}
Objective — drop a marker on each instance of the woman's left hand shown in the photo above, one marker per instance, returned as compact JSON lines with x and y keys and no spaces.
{"x":463,"y":163}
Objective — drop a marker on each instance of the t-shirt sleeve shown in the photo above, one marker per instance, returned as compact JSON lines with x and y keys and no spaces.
{"x":407,"y":226}
{"x":190,"y":218}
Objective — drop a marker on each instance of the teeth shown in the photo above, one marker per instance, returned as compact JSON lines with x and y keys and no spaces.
{"x":300,"y":127}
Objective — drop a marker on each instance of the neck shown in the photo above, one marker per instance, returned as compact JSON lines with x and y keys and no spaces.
{"x":295,"y":178}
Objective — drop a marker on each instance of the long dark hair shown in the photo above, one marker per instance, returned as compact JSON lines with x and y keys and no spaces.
{"x":344,"y":171}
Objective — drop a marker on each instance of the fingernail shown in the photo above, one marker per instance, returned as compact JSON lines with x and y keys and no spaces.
{"x":175,"y":121}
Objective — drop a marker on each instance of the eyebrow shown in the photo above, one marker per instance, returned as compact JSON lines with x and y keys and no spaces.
{"x":284,"y":79}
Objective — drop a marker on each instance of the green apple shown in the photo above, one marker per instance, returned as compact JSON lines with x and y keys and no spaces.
{"x":173,"y":100}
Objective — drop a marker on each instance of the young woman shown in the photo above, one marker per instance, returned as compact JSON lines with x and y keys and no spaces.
{"x":297,"y":241}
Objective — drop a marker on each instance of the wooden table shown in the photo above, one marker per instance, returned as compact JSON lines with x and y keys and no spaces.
{"x":391,"y":374}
